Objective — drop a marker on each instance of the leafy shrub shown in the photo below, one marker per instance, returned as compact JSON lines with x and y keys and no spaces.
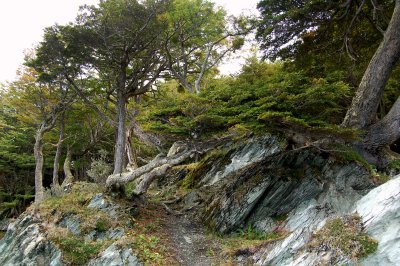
{"x":264,"y":96}
{"x":344,"y":236}
{"x":99,"y":168}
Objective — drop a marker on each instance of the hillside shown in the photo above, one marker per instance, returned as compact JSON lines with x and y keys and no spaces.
{"x":245,"y":202}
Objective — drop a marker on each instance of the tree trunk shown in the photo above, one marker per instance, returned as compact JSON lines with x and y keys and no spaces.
{"x":69,"y":178}
{"x":149,"y":177}
{"x":38,"y":153}
{"x":363,"y":110}
{"x":178,"y":153}
{"x":119,"y":156}
{"x":130,"y":151}
{"x":386,"y":131}
{"x":56,"y":166}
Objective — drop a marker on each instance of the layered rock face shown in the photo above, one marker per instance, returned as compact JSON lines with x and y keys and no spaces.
{"x":26,"y":244}
{"x":296,"y":191}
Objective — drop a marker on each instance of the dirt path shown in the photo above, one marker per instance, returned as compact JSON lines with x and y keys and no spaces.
{"x":190,"y":242}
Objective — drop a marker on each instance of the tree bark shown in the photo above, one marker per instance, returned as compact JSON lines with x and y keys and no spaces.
{"x":149,"y":177}
{"x":178,"y":153}
{"x":123,"y":178}
{"x":384,"y":132}
{"x":69,"y":178}
{"x":119,"y":156}
{"x":56,"y":166}
{"x":38,"y":153}
{"x":130,"y":151}
{"x":363,"y":110}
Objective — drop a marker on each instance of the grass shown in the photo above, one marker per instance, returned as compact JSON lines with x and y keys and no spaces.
{"x":246,"y":241}
{"x":345,"y":237}
{"x":144,"y":234}
{"x":75,"y":250}
{"x":395,"y":165}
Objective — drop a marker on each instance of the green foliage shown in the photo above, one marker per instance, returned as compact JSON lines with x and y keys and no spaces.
{"x":347,"y":154}
{"x":129,"y":189}
{"x":100,"y":169}
{"x":395,"y":165}
{"x":76,"y":250}
{"x":264,"y":96}
{"x":101,"y":225}
{"x":251,"y":233}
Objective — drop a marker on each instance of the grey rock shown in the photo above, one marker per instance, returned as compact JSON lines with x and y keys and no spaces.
{"x":95,"y":236}
{"x":24,"y":244}
{"x":280,"y":183}
{"x":380,"y":212}
{"x":5,"y":222}
{"x":115,"y":256}
{"x":98,"y":202}
{"x":252,"y":151}
{"x":115,"y":233}
{"x":72,"y":223}
{"x":101,"y":203}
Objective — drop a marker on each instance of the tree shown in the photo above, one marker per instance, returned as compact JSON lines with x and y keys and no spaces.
{"x":292,"y":20}
{"x":115,"y":45}
{"x":362,"y":113}
{"x":40,"y":104}
{"x":199,"y":36}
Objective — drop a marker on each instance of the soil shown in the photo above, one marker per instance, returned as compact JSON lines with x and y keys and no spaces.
{"x":190,"y":242}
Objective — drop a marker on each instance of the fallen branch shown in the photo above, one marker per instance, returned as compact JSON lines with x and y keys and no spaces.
{"x":157,"y":167}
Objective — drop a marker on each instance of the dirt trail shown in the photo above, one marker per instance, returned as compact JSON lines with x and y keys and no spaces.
{"x":190,"y":242}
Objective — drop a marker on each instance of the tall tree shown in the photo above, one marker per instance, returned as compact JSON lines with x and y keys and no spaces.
{"x":42,"y":104}
{"x":116,"y":44}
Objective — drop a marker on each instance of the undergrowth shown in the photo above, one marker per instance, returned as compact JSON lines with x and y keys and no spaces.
{"x":343,"y":237}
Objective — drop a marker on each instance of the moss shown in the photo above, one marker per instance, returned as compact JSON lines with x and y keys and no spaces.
{"x":101,"y":225}
{"x":250,"y":233}
{"x":246,"y":241}
{"x":346,"y":154}
{"x":345,"y":236}
{"x":395,"y":165}
{"x":129,"y":188}
{"x":198,"y":170}
{"x":76,"y":251}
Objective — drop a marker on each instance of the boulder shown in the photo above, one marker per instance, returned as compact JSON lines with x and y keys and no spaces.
{"x":25,"y":244}
{"x":380,"y":212}
{"x":115,"y":256}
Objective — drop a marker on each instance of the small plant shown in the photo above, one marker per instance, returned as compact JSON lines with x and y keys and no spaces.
{"x":210,"y":252}
{"x":394,"y":165}
{"x":101,"y":226}
{"x":345,"y":237}
{"x":130,"y":188}
{"x":76,"y":251}
{"x":99,"y":168}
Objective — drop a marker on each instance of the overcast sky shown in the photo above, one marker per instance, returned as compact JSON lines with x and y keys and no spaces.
{"x":22,"y":23}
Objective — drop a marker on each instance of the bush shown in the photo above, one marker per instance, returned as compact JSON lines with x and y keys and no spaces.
{"x":99,"y":168}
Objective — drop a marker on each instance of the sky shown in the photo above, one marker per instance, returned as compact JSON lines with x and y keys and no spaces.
{"x":22,"y":23}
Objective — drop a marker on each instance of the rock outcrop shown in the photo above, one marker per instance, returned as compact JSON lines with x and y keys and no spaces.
{"x":25,"y":244}
{"x":297,"y":191}
{"x":380,"y":212}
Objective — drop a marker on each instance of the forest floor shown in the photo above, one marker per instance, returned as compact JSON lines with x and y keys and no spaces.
{"x":186,"y":242}
{"x":191,"y":243}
